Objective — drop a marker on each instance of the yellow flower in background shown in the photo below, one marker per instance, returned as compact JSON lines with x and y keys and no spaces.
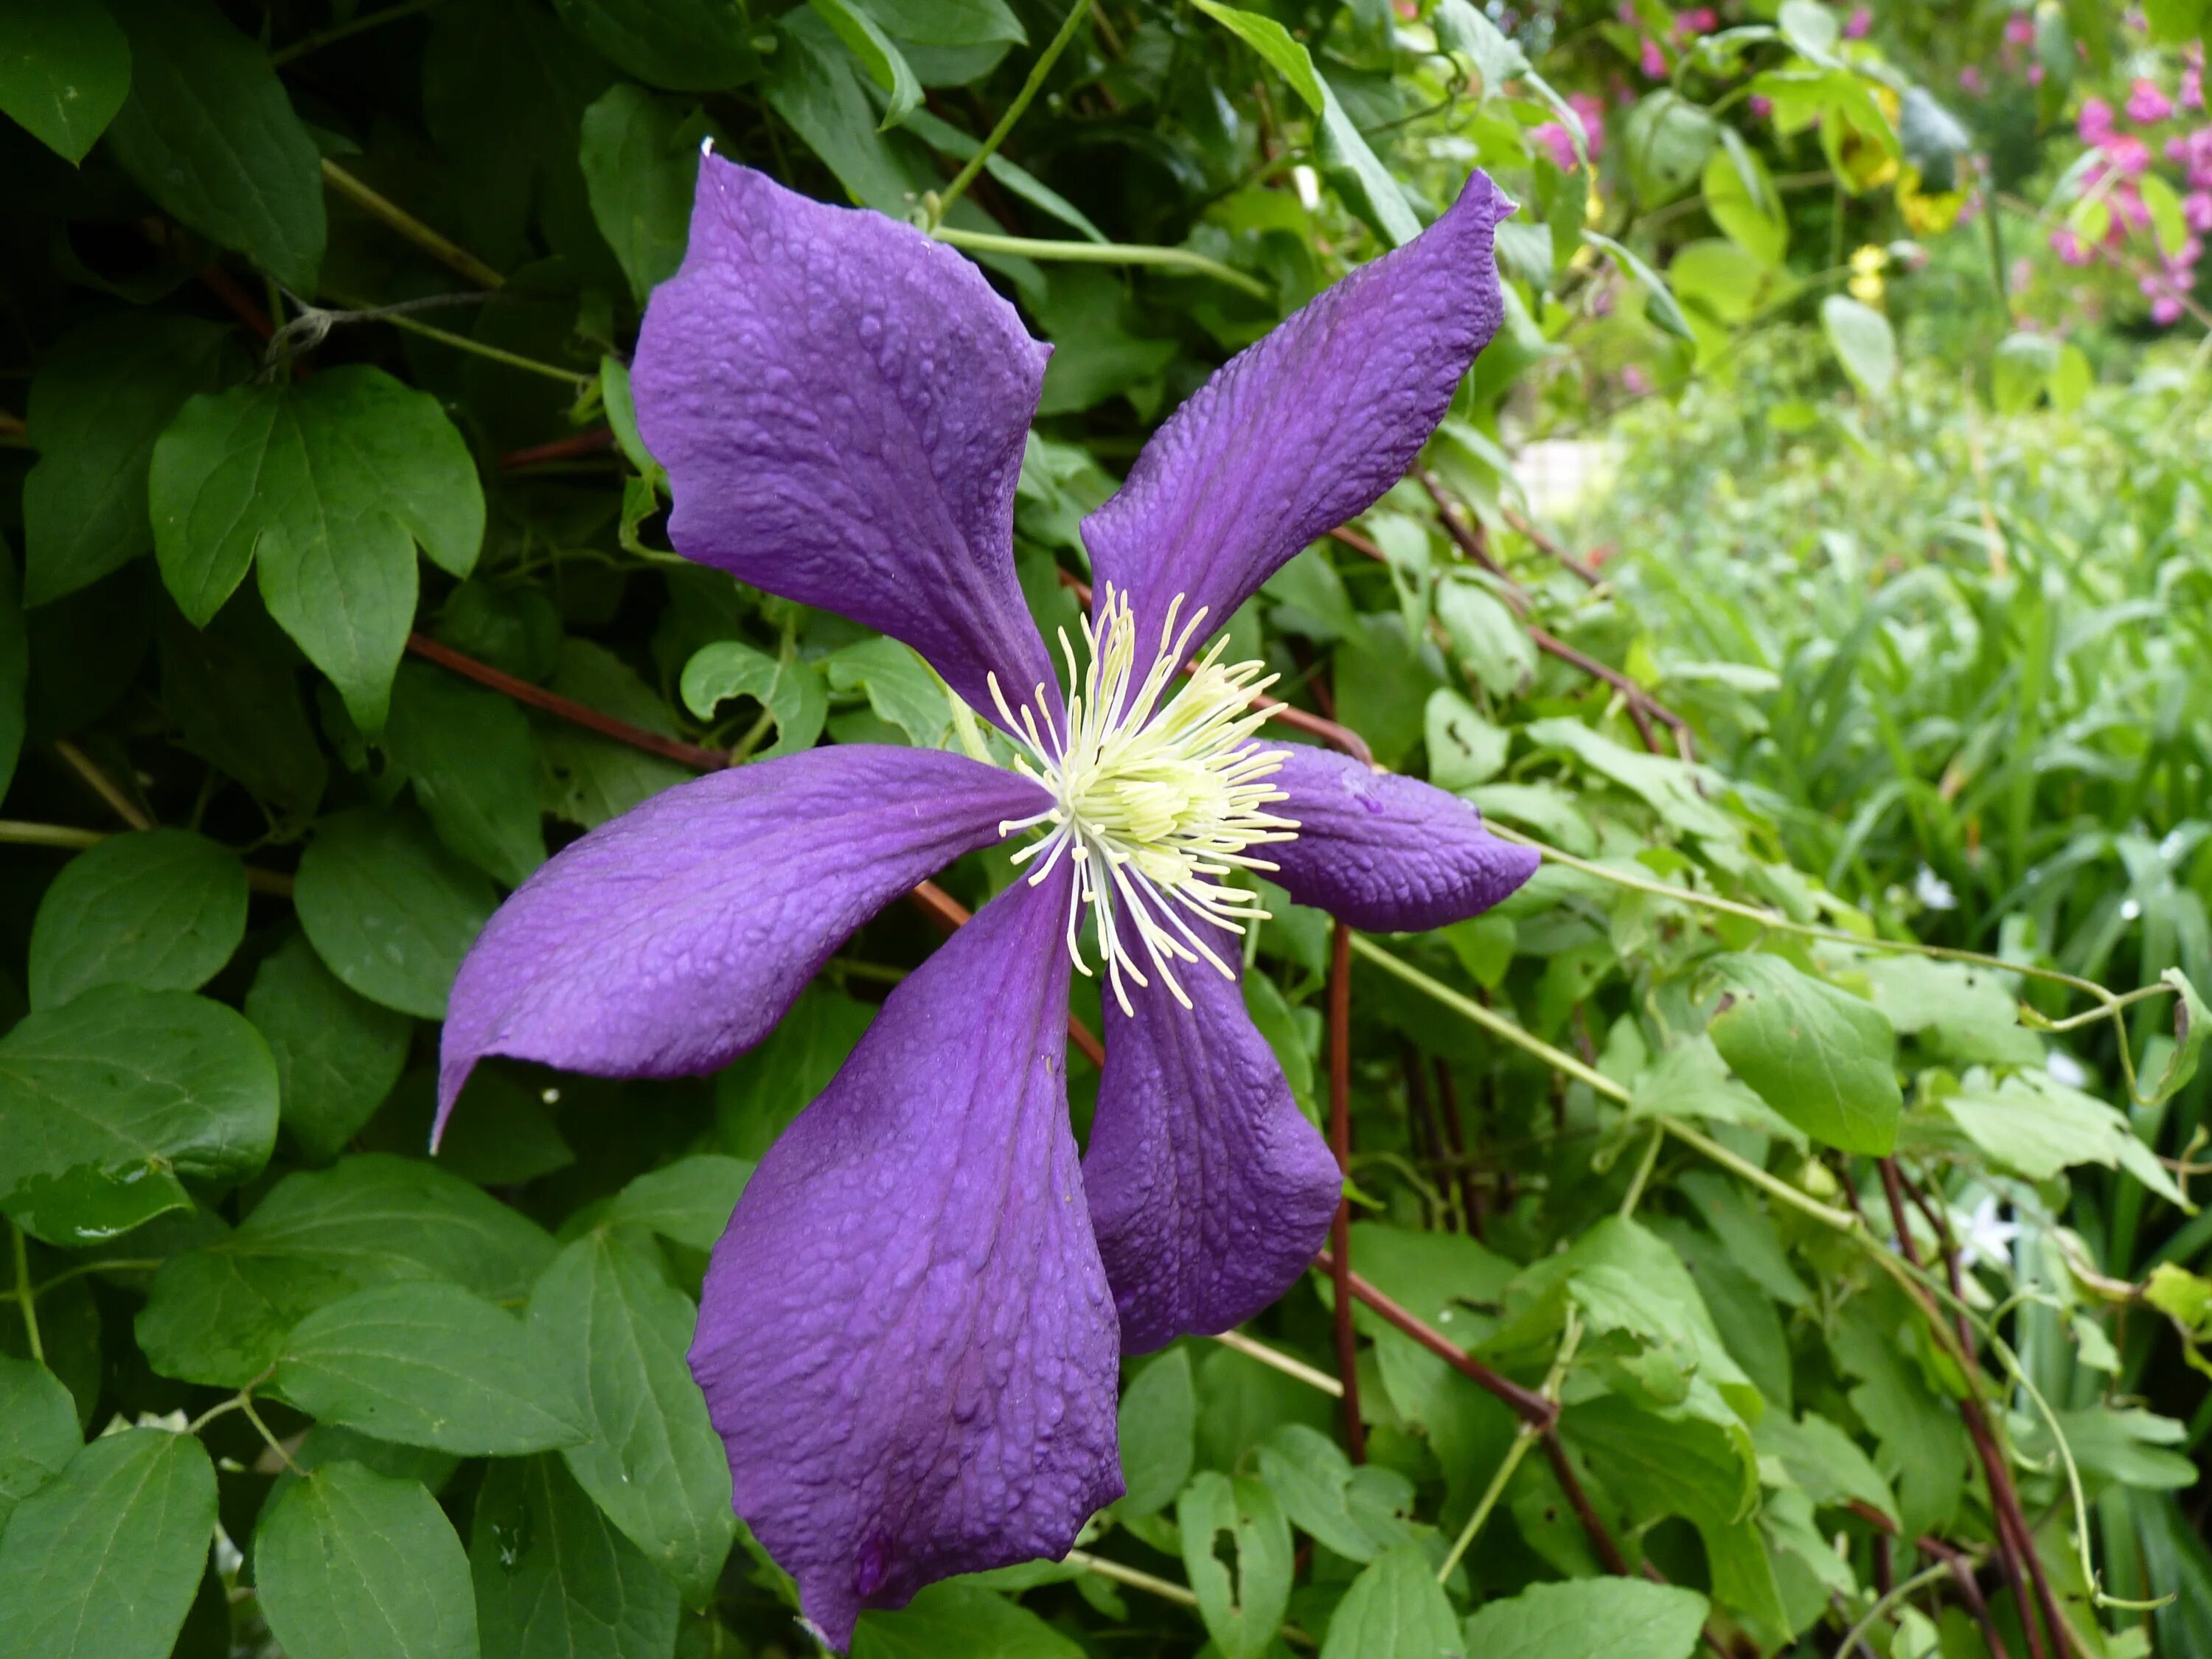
{"x":1867,"y":265}
{"x":1925,"y":214}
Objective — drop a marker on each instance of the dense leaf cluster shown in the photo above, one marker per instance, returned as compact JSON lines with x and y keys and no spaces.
{"x":1735,"y":1266}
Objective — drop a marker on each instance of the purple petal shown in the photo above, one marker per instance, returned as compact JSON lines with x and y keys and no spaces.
{"x":906,"y":1340}
{"x":1208,"y":1190}
{"x":1306,"y":428}
{"x":671,"y":939}
{"x":1385,"y":853}
{"x":840,"y":404}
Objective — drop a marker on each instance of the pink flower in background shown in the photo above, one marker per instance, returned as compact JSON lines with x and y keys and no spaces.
{"x":2069,"y":248}
{"x":2194,"y":154}
{"x":2021,"y":277}
{"x":1557,"y":143}
{"x":1698,"y":20}
{"x":2192,"y":81}
{"x":2165,"y":289}
{"x":1858,"y":24}
{"x":1655,"y":61}
{"x":1634,"y":381}
{"x":2127,"y":153}
{"x":1591,"y":108}
{"x":2094,"y":125}
{"x":2146,"y":103}
{"x":2197,"y":208}
{"x":2129,"y":212}
{"x":2019,"y":29}
{"x":2035,"y":74}
{"x":1761,"y":106}
{"x":1971,"y":79}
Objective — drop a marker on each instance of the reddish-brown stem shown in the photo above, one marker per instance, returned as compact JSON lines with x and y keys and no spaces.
{"x":1529,"y":533}
{"x":1340,"y":1141}
{"x":2015,"y":1540}
{"x":1530,"y":1405}
{"x":560,"y":449}
{"x":1600,"y":1540}
{"x":653,"y":743}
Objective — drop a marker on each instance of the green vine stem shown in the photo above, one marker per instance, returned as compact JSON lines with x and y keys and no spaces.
{"x":26,"y":1297}
{"x":364,"y":311}
{"x":1101,"y":253}
{"x":444,"y":250}
{"x":302,"y":47}
{"x":937,"y":208}
{"x":1525,"y":1441}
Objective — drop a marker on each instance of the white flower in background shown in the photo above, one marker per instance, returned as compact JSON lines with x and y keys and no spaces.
{"x":2065,"y":1068}
{"x":1932,"y":891}
{"x":1985,"y":1236}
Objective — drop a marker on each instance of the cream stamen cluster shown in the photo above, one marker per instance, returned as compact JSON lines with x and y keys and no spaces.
{"x":1153,"y":804}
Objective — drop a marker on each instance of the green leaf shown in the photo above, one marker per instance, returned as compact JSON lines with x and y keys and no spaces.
{"x":107,"y":1102}
{"x":38,"y":1431}
{"x":1358,"y":1512}
{"x":947,"y":139}
{"x":2116,"y":1446}
{"x":1590,"y":1619}
{"x":1862,"y":343}
{"x":1667,"y":140}
{"x":102,"y":1561}
{"x":588,"y":778}
{"x":959,"y":1621}
{"x":64,"y":72}
{"x":791,"y":694}
{"x":337,"y":1055}
{"x":2035,"y":1125}
{"x":1665,"y":313}
{"x":1923,"y":1446}
{"x":389,"y":910}
{"x":330,"y":483}
{"x":1242,"y":1614}
{"x":901,"y":687}
{"x":763,"y":1090}
{"x":1395,"y":1609}
{"x":1464,"y":748}
{"x":350,"y":1565}
{"x":689,"y":1201}
{"x":618,"y":1332}
{"x":1487,"y":639}
{"x":685,"y":45}
{"x":1159,"y":1425}
{"x":219,"y":1314}
{"x":427,"y":1366}
{"x":1740,"y":198}
{"x":101,"y":397}
{"x":1366,"y":184}
{"x":2192,"y":1025}
{"x":241,"y":713}
{"x":885,"y":64}
{"x":1825,"y":1462}
{"x":812,"y":83}
{"x":640,"y":156}
{"x":2021,"y":370}
{"x":468,"y":752}
{"x":162,"y":909}
{"x":554,"y":1579}
{"x":208,"y":133}
{"x":1819,"y":1055}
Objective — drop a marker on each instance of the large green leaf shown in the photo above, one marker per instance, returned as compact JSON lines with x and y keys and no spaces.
{"x":427,"y":1364}
{"x":1395,"y":1609}
{"x":208,"y":133}
{"x":101,"y":1562}
{"x":639,"y":155}
{"x":1159,"y":1425}
{"x":689,"y":1201}
{"x":389,"y":909}
{"x":1243,"y":1611}
{"x":349,"y":1564}
{"x":469,"y":754}
{"x":38,"y":1431}
{"x":1863,"y":341}
{"x":101,"y":397}
{"x":1590,"y":1619}
{"x":219,"y":1314}
{"x":328,"y":484}
{"x":1819,"y":1055}
{"x":337,"y":1054}
{"x":237,"y":706}
{"x":618,"y":1332}
{"x":1358,"y":1511}
{"x":554,"y":1579}
{"x":686,"y":45}
{"x":959,"y":1621}
{"x":107,"y":1102}
{"x":64,"y":72}
{"x":162,"y":909}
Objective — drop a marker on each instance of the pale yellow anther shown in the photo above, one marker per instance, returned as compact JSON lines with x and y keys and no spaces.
{"x":1156,"y":795}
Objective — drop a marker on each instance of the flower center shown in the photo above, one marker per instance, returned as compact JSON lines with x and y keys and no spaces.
{"x":1152,"y":800}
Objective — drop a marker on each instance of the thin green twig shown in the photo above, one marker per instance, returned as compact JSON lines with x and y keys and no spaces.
{"x":49,"y":835}
{"x":1523,"y":1440}
{"x":1101,"y":253}
{"x":367,"y":312}
{"x":443,"y":249}
{"x":301,"y":48}
{"x":27,"y":1299}
{"x":1166,"y":1589}
{"x":952,"y":192}
{"x":1920,"y":1580}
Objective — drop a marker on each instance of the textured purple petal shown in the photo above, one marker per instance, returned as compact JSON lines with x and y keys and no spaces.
{"x":1307,"y":428}
{"x":840,"y":404}
{"x":1385,"y":853}
{"x":906,"y":1339}
{"x":671,"y":939}
{"x":1208,"y":1190}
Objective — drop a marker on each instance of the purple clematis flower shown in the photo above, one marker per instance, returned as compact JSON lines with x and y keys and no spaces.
{"x":909,"y":1334}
